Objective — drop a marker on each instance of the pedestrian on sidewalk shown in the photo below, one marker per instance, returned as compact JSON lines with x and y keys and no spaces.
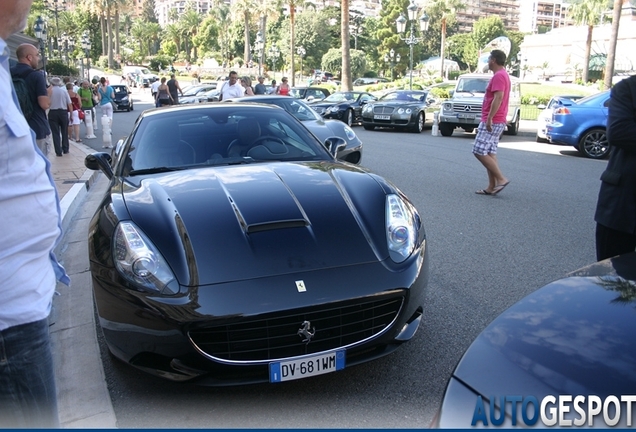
{"x":28,"y":59}
{"x":61,"y":105}
{"x":74,"y":116}
{"x":86,"y":97}
{"x":616,"y":207}
{"x":106,"y":99}
{"x":493,"y":123}
{"x":30,"y":210}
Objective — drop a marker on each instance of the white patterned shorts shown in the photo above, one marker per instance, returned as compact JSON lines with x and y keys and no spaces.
{"x":486,"y":142}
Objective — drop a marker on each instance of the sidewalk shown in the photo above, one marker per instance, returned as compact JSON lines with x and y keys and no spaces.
{"x":83,"y":398}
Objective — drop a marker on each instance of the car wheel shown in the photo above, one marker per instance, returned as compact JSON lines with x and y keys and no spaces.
{"x":368,"y":127}
{"x":349,"y":118}
{"x":594,"y":144}
{"x":513,"y":129}
{"x":419,"y":124}
{"x":446,"y":129}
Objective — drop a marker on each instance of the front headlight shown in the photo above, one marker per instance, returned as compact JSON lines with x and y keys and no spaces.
{"x":332,"y":109}
{"x":401,"y":228}
{"x":367,"y":108}
{"x":349,"y":133}
{"x":447,"y":106}
{"x":139,"y":261}
{"x":124,"y":99}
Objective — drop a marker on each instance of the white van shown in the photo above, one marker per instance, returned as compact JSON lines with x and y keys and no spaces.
{"x":147,"y":77}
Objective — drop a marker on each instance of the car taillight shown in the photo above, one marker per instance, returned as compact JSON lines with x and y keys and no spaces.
{"x":562,"y":111}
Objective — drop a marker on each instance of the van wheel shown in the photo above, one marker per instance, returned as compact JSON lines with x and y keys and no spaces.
{"x":513,"y":129}
{"x":446,"y":129}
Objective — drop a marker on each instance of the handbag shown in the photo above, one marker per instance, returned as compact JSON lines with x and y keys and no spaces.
{"x":114,"y":105}
{"x":81,"y":114}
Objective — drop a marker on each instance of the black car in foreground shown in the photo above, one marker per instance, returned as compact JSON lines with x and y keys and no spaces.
{"x":567,"y":350}
{"x":233,"y":247}
{"x":400,"y":109}
{"x":323,"y":129}
{"x":344,"y":106}
{"x":123,"y":100}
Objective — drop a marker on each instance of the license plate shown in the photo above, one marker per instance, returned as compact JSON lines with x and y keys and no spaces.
{"x":382,"y":117}
{"x":466,"y":116}
{"x":307,"y":366}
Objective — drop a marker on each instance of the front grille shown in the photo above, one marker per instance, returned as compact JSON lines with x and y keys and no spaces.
{"x":466,"y":108}
{"x":275,"y":336}
{"x":382,"y":110}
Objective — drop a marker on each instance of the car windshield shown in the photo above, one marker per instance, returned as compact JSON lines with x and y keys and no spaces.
{"x":407,"y":96}
{"x":295,"y":107}
{"x":591,"y":98}
{"x":145,"y":71}
{"x":298,"y":93}
{"x":472,"y":85}
{"x":120,"y":89}
{"x":213,"y":135}
{"x":341,"y":97}
{"x":193,"y":91}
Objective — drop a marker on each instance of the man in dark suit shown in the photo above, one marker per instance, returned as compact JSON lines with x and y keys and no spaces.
{"x":616,"y":208}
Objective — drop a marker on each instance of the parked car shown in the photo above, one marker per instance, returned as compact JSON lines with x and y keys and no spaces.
{"x":344,"y":106}
{"x":582,"y":124}
{"x":139,"y":76}
{"x":401,"y":109}
{"x":195,"y":94}
{"x":368,"y":81}
{"x":545,"y":116}
{"x":231,"y":246}
{"x":574,"y":336}
{"x":123,"y":101}
{"x":310,"y":93}
{"x":323,"y":129}
{"x":463,"y":110}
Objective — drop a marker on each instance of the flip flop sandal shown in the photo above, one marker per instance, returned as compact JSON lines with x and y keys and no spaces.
{"x":483,"y":192}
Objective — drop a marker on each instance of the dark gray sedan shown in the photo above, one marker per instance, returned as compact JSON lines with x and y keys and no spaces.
{"x":401,"y":109}
{"x":320,"y":127}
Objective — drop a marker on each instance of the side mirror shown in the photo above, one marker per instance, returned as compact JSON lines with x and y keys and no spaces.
{"x":364,"y":102}
{"x":335,"y":145}
{"x":310,"y":99}
{"x":100,"y":161}
{"x":541,"y":106}
{"x":451,"y":93}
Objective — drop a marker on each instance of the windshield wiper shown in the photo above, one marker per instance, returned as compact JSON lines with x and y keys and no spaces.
{"x":155,"y":170}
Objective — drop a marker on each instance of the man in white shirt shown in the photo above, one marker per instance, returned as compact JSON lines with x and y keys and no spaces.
{"x":30,"y":209}
{"x":154,"y":89}
{"x":231,"y":88}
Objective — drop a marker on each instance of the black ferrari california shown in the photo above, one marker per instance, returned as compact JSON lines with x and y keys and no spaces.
{"x":401,"y":109}
{"x":233,"y":247}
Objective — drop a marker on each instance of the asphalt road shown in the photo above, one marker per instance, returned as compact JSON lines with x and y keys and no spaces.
{"x":486,"y":253}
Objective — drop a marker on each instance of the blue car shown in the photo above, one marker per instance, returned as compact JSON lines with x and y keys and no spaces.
{"x":582,"y":124}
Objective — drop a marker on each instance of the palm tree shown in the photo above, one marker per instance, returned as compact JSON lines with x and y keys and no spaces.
{"x":244,"y":9}
{"x":587,"y":13}
{"x":347,"y":82}
{"x":221,"y":12}
{"x":611,"y":54}
{"x":446,"y":9}
{"x":173,"y":33}
{"x":190,"y":22}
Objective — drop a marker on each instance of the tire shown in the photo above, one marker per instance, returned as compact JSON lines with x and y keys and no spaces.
{"x":445,"y":129}
{"x":419,"y":124}
{"x":513,"y":129}
{"x":368,"y":127}
{"x":349,"y":117}
{"x":593,"y":144}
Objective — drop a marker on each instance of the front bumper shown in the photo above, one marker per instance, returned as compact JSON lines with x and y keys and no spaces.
{"x":178,"y":337}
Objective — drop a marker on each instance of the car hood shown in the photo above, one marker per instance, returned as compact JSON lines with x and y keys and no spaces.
{"x":328,"y":104}
{"x":465,"y":97}
{"x":573,"y":336}
{"x":395,"y":103}
{"x":252,"y":221}
{"x":333,"y":128}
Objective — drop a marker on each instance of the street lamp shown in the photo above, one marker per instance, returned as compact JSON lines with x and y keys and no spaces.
{"x":54,"y":8}
{"x":301,"y":52}
{"x":392,"y":59}
{"x":259,"y":46}
{"x":40,"y":32}
{"x":411,"y":39}
{"x":86,"y":45}
{"x":273,"y":54}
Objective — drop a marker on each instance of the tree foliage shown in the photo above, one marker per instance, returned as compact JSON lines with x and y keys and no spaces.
{"x":332,"y":61}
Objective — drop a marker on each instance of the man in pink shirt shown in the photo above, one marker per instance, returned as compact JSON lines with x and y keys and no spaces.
{"x":493,"y":123}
